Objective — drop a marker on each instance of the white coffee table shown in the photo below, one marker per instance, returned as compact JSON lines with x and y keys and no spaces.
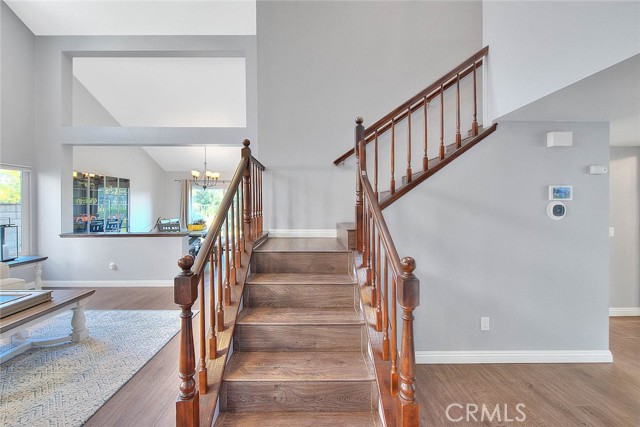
{"x":62,"y":300}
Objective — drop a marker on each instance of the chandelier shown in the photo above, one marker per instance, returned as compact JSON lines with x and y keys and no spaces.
{"x":209,"y":179}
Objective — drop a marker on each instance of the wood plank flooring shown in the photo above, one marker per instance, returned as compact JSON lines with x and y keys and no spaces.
{"x":562,"y":395}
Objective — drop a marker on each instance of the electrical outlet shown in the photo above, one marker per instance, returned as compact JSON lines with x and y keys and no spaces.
{"x":484,"y":323}
{"x":612,"y":231}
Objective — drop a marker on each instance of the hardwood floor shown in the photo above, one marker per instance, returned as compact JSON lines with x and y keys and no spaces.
{"x":565,"y":395}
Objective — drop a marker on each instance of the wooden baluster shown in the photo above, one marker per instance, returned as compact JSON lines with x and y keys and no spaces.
{"x":213,"y":343}
{"x":409,"y":173}
{"x":394,"y":339}
{"x":385,"y":311}
{"x":378,"y":289}
{"x":393,"y":155}
{"x":254,"y":197}
{"x":185,"y":294}
{"x":359,"y":136}
{"x":246,"y":193}
{"x":364,"y":223}
{"x":441,"y":122}
{"x":366,"y":250}
{"x":219,"y":308}
{"x":232,"y":255}
{"x":370,"y":253}
{"x":202,"y":368}
{"x":458,"y":136}
{"x":409,"y":299}
{"x":375,"y":167}
{"x":238,"y":222}
{"x":240,"y":219}
{"x":474,"y":124}
{"x":227,"y":287}
{"x":425,"y":156}
{"x":261,"y":206}
{"x":372,"y":260}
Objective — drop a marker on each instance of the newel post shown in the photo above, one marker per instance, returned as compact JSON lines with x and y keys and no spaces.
{"x":408,"y":299}
{"x":246,"y":192}
{"x":359,"y":136}
{"x":185,"y":291}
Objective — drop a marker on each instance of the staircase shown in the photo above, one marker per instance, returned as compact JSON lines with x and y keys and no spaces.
{"x":300,"y":344}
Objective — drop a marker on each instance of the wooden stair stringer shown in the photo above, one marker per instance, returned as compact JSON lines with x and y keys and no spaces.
{"x":435,"y":165}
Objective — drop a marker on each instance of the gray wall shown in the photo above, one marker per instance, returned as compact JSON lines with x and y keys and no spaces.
{"x":323,"y":63}
{"x":484,"y":245}
{"x":55,"y":137}
{"x":17,"y":124}
{"x":552,"y":44}
{"x":625,"y":217}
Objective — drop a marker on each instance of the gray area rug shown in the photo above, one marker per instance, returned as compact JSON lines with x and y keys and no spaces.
{"x":65,"y":384}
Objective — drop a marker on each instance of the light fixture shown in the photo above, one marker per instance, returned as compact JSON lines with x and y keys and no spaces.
{"x":209,"y":179}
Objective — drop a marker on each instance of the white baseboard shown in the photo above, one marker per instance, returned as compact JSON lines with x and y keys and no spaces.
{"x":533,"y":356}
{"x":624,"y":311}
{"x":106,"y":283}
{"x":313,"y":232}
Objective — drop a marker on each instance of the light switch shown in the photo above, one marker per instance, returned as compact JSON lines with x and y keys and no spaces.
{"x":612,"y":231}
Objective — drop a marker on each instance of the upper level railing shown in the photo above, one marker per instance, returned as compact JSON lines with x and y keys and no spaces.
{"x":234,"y":229}
{"x":422,"y":100}
{"x":384,"y":269}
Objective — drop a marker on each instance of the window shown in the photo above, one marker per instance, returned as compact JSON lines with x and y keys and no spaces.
{"x":205,"y":203}
{"x":15,"y":203}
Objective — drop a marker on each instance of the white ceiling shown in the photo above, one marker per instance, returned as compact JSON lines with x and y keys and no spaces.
{"x":136,"y":17}
{"x":612,"y":95}
{"x":167,"y":92}
{"x":187,"y":158}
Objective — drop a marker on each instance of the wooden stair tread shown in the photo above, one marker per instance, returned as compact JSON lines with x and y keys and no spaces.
{"x":299,"y":316}
{"x":295,"y":244}
{"x":300,"y":279}
{"x":298,"y":419}
{"x":291,"y":366}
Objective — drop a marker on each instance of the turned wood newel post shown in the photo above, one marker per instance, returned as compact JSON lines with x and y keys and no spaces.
{"x":408,"y":299}
{"x":246,"y":192}
{"x":185,"y":291}
{"x":359,"y":136}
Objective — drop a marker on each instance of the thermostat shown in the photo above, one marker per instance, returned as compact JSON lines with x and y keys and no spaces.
{"x":556,"y":210}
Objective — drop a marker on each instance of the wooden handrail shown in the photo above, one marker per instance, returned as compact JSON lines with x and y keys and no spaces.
{"x":240,"y":229}
{"x":432,"y":91}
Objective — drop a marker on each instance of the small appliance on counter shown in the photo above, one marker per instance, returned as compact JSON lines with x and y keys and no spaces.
{"x":9,"y":241}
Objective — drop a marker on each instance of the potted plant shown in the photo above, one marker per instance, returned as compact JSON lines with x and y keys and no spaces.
{"x":197,"y":225}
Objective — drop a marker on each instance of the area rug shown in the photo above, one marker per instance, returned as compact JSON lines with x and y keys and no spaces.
{"x":65,"y":384}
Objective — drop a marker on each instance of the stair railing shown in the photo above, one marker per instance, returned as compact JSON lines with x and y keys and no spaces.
{"x":383,"y":270}
{"x":429,"y":107}
{"x":235,"y":227}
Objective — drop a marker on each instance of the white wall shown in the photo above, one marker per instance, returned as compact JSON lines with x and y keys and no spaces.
{"x":625,"y":218}
{"x":54,"y":141}
{"x":538,"y":47}
{"x":484,"y":245}
{"x":148,"y":180}
{"x":144,"y":260}
{"x":320,"y":65}
{"x":17,"y":128}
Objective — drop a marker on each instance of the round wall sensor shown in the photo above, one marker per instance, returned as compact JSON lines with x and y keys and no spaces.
{"x":556,"y":210}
